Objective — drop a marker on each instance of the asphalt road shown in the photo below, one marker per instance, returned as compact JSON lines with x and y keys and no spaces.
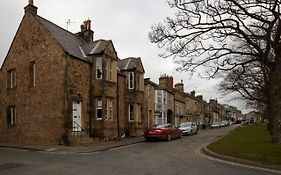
{"x":177,"y":157}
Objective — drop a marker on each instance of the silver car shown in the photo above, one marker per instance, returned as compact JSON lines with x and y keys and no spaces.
{"x":215,"y":125}
{"x":188,"y":128}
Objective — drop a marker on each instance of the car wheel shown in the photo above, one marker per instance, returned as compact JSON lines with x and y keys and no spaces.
{"x":169,"y":137}
{"x":148,"y":139}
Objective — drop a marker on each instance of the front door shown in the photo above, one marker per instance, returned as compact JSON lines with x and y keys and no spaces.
{"x":76,"y":115}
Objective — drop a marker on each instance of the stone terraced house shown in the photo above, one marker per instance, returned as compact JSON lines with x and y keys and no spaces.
{"x":57,"y":87}
{"x":133,"y":69}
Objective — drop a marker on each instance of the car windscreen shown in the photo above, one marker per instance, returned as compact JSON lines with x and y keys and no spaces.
{"x":185,"y":124}
{"x":161,"y":126}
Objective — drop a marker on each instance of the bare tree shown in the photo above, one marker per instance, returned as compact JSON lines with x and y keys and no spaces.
{"x":226,"y":36}
{"x":249,"y":83}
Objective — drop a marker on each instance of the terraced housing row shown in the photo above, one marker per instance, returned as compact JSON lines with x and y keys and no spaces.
{"x":60,"y":87}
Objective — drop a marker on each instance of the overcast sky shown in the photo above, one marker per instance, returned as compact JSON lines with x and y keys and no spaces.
{"x":125,"y":22}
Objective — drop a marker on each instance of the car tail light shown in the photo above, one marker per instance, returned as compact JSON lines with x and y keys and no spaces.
{"x":158,"y":130}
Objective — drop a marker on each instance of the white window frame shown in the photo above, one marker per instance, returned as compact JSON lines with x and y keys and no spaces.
{"x":98,"y":107}
{"x":139,"y":113}
{"x":109,"y":109}
{"x":99,"y":68}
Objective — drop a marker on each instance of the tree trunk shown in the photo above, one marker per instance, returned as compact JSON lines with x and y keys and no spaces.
{"x":275,"y":121}
{"x":274,"y":104}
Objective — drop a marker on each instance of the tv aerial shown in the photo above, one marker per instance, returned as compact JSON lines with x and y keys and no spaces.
{"x":68,"y":23}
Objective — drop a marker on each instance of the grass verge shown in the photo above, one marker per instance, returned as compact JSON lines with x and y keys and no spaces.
{"x":250,"y":143}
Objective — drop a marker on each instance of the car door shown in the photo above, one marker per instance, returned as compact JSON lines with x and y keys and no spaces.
{"x":193,"y":128}
{"x":173,"y":131}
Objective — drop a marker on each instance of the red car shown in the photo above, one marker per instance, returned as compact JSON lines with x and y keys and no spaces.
{"x":165,"y":131}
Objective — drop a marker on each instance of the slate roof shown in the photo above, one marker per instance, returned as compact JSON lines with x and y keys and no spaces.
{"x":72,"y":43}
{"x":148,"y":81}
{"x":129,"y":63}
{"x":95,"y":47}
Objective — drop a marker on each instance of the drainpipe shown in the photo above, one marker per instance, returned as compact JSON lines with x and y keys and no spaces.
{"x":175,"y":109}
{"x":117,"y":98}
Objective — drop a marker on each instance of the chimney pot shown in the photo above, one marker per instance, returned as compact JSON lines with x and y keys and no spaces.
{"x":82,"y":27}
{"x":192,"y":93}
{"x":85,"y":24}
{"x":30,"y":2}
{"x":88,"y":24}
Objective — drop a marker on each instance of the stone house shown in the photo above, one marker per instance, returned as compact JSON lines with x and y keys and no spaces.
{"x":180,"y":98}
{"x":253,"y":117}
{"x":149,"y":96}
{"x":181,"y":106}
{"x":214,"y":109}
{"x":195,"y":108}
{"x":166,"y":84}
{"x":161,"y":106}
{"x":134,"y":120}
{"x":34,"y":86}
{"x":57,"y":85}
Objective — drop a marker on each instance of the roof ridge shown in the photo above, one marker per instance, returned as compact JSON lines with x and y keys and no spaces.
{"x":67,"y":40}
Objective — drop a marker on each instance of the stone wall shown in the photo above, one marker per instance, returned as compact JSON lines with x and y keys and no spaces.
{"x":77,"y":88}
{"x":39,"y":109}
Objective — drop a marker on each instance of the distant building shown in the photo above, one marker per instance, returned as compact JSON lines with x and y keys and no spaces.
{"x":149,"y":97}
{"x":254,"y":117}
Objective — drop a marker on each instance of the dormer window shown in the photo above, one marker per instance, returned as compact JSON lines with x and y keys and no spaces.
{"x":131,"y":80}
{"x":99,"y":68}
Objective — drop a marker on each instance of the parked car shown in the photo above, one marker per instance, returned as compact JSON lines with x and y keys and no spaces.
{"x":224,"y":123}
{"x":188,"y":128}
{"x":164,"y":131}
{"x":215,"y":125}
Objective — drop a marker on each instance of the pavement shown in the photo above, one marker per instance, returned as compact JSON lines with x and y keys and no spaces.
{"x":97,"y":147}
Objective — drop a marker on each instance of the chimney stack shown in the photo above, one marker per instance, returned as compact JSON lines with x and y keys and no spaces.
{"x":192,"y":93}
{"x":180,"y":86}
{"x":166,"y":82}
{"x":200,"y":97}
{"x":30,"y":8}
{"x":86,"y":33}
